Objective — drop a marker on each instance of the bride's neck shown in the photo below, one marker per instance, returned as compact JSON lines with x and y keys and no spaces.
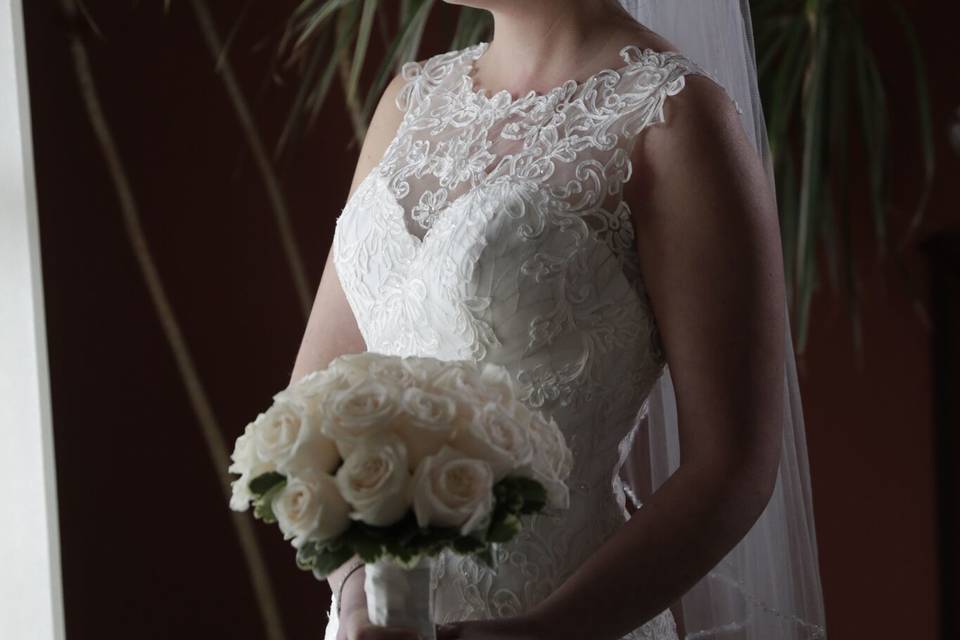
{"x":539,"y":43}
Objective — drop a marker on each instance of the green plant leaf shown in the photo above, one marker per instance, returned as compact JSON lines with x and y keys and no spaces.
{"x":360,"y":49}
{"x":314,"y":21}
{"x":924,"y":114}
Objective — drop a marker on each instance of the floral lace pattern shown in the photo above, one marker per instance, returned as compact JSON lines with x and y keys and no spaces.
{"x":494,"y":228}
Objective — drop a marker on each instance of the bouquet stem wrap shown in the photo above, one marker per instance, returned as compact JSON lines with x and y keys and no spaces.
{"x":400,"y":597}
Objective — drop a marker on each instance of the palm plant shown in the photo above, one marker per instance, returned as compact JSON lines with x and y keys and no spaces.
{"x":819,"y":76}
{"x":820,"y":80}
{"x":330,"y":39}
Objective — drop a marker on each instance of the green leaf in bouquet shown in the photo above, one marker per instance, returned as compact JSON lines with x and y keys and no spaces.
{"x":329,"y":558}
{"x":398,"y":540}
{"x":408,"y":559}
{"x":265,"y":482}
{"x":366,"y":544}
{"x":374,"y":532}
{"x":513,"y":502}
{"x":468,"y":544}
{"x":507,"y":495}
{"x":503,"y":528}
{"x":534,"y":504}
{"x":263,"y":505}
{"x":532,"y":494}
{"x":406,"y":530}
{"x":400,"y":552}
{"x":432,"y":540}
{"x":306,"y":555}
{"x":485,"y":556}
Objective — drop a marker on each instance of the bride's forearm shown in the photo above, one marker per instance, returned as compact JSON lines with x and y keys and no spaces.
{"x":681,"y":533}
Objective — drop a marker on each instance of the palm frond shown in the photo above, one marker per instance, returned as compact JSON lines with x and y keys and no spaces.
{"x":825,"y":98}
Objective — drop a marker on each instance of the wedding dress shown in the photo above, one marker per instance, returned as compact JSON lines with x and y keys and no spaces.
{"x":495,"y":229}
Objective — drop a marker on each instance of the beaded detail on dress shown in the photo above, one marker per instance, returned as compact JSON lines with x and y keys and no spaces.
{"x":494,"y":228}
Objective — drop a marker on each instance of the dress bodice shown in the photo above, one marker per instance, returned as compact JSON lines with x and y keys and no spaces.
{"x":495,"y":228}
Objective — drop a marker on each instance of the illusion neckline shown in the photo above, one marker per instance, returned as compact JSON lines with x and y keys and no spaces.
{"x":632,"y":55}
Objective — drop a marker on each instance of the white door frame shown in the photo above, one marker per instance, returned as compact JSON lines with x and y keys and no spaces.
{"x":31,"y":594}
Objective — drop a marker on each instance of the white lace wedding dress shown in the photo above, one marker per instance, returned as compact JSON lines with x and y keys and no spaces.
{"x":494,"y":228}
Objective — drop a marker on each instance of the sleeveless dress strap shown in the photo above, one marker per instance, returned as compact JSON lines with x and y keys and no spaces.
{"x":422,"y":77}
{"x":651,"y":78}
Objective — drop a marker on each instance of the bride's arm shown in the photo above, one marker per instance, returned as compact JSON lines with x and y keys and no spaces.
{"x":332,"y":331}
{"x":707,"y":232}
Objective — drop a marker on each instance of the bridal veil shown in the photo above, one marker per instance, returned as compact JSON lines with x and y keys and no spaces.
{"x":768,"y":586}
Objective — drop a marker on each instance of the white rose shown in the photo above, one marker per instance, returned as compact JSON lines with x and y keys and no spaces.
{"x":240,"y":495}
{"x":365,"y":410}
{"x":249,"y":466}
{"x":244,"y":456}
{"x":375,"y":480}
{"x":489,"y":383}
{"x":314,"y":391}
{"x":554,"y":456}
{"x":289,"y":437}
{"x":496,"y":436}
{"x":311,"y":508}
{"x":426,"y":423}
{"x":355,"y":366}
{"x":558,"y":493}
{"x":453,"y":490}
{"x":409,"y":371}
{"x":552,"y":460}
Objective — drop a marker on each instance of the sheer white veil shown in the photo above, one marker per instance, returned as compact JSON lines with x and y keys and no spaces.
{"x":768,"y":586}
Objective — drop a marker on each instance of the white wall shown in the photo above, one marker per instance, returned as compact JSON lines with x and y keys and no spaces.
{"x":31,"y":604}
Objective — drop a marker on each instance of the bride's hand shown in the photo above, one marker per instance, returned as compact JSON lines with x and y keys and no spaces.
{"x":357,"y":626}
{"x":513,"y":628}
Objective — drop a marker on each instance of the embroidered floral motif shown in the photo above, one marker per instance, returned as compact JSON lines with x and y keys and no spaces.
{"x":494,"y":228}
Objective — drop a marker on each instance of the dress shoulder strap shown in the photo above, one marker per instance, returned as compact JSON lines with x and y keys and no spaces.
{"x":649,"y":78}
{"x":422,"y":78}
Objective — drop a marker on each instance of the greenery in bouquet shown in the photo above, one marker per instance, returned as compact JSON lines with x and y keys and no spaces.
{"x":399,"y":457}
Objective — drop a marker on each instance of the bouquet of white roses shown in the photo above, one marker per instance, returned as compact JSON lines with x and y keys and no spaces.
{"x":394,"y":459}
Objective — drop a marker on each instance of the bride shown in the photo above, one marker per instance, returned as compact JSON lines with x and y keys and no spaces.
{"x":580,"y":202}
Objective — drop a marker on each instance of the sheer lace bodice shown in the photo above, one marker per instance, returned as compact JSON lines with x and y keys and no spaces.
{"x":495,"y":228}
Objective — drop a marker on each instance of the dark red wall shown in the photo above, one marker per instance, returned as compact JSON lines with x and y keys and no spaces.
{"x":148,"y":547}
{"x":870,"y":428}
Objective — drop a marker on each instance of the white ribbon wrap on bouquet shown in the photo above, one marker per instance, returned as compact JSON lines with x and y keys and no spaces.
{"x":398,"y":597}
